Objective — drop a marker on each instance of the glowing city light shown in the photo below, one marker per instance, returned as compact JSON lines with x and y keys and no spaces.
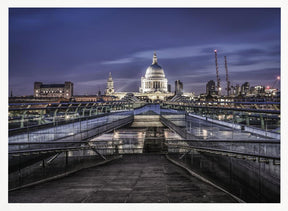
{"x":278,"y":77}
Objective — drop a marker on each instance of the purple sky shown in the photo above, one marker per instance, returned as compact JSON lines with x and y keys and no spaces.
{"x":84,"y":45}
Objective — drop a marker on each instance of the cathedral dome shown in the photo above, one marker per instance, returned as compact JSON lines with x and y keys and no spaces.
{"x":154,"y":80}
{"x":155,"y":71}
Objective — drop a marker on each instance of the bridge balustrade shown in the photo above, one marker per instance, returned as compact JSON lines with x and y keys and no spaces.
{"x":32,"y":162}
{"x":265,"y":116}
{"x":240,"y":166}
{"x":78,"y":129}
{"x":24,"y":115}
{"x":27,"y":149}
{"x":248,"y":169}
{"x":53,"y":162}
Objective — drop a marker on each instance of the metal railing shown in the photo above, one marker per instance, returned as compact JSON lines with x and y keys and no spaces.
{"x":181,"y":131}
{"x":257,"y":107}
{"x":260,"y":157}
{"x":53,"y":163}
{"x":30,"y":163}
{"x":24,"y":115}
{"x":77,"y":131}
{"x":248,"y":169}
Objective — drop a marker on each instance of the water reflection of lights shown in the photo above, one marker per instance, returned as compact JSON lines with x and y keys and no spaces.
{"x":140,"y":134}
{"x":229,"y":117}
{"x":198,"y":131}
{"x":120,"y":144}
{"x":205,"y":133}
{"x":227,"y":134}
{"x":116,"y":135}
{"x":221,"y":117}
{"x":168,"y":135}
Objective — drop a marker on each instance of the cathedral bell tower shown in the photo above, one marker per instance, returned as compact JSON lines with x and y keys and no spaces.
{"x":110,"y":85}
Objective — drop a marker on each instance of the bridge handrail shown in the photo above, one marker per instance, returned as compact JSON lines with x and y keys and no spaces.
{"x":223,"y":151}
{"x":239,"y":109}
{"x":221,"y":105}
{"x":65,"y":149}
{"x":228,"y":102}
{"x":265,"y":141}
{"x":68,"y":103}
{"x":15,"y":131}
{"x":256,"y":141}
{"x":56,"y":142}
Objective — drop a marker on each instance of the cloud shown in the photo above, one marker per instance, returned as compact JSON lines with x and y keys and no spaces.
{"x":196,"y":51}
{"x":118,"y":61}
{"x":257,"y":74}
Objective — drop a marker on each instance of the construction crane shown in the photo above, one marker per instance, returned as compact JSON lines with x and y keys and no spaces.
{"x":227,"y":78}
{"x":217,"y":74}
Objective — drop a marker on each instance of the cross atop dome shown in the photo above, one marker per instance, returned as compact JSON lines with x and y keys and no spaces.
{"x":154,"y":58}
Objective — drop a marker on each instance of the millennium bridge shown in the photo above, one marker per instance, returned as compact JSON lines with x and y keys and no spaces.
{"x":171,"y":152}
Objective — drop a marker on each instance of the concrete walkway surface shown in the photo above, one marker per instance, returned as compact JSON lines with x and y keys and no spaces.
{"x":143,"y":178}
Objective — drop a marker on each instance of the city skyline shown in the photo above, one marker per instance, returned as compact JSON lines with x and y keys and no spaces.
{"x":84,"y":45}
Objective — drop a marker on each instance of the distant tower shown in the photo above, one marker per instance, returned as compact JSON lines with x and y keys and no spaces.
{"x":218,"y":88}
{"x":110,"y":85}
{"x":169,"y":87}
{"x":227,"y":78}
{"x":178,"y":87}
{"x":245,"y":88}
{"x":210,"y":88}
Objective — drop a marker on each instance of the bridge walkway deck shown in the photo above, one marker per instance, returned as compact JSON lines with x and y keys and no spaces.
{"x":142,"y":178}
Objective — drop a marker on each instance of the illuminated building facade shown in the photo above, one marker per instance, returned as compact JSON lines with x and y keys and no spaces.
{"x":154,"y":85}
{"x":53,"y":90}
